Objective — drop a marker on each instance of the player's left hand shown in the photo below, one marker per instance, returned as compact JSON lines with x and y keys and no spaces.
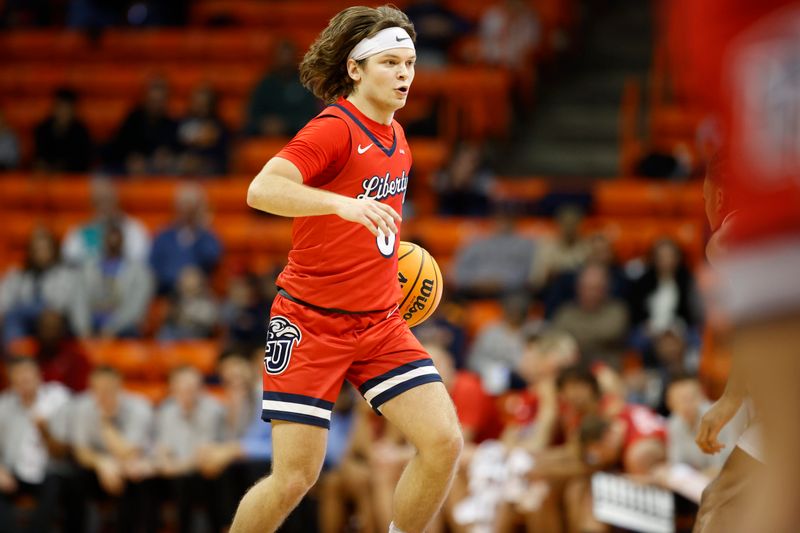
{"x":712,"y":423}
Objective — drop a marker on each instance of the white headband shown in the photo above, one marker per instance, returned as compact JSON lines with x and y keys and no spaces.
{"x":387,"y":39}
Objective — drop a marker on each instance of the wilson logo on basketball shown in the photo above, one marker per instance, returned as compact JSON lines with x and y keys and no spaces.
{"x":420,"y":283}
{"x":282,"y":336}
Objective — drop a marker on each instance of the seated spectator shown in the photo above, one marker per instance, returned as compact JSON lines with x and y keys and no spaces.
{"x":59,"y":353}
{"x":243,"y":313}
{"x":566,"y":252}
{"x":111,"y":431}
{"x":192,"y":310}
{"x":438,"y":29}
{"x":598,"y":322}
{"x":9,"y":146}
{"x":202,"y":136}
{"x":463,"y":185}
{"x":279,"y":104}
{"x":562,"y":287}
{"x":665,"y":292}
{"x":188,"y":418}
{"x":63,"y":143}
{"x":446,"y":329}
{"x":188,"y":241}
{"x":119,"y":289}
{"x":239,"y":398}
{"x":43,"y":283}
{"x":494,"y":264}
{"x":499,"y":346}
{"x":510,"y":32}
{"x":33,"y":427}
{"x":85,"y":241}
{"x":146,"y":141}
{"x":240,"y":460}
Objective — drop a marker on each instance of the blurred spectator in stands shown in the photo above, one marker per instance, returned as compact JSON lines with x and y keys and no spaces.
{"x":665,"y":292}
{"x":598,"y":322}
{"x":111,"y":437}
{"x":33,"y":432}
{"x":239,"y":398}
{"x":510,"y":32}
{"x":62,"y":139}
{"x":676,"y":163}
{"x":187,"y":242}
{"x":119,"y":289}
{"x":9,"y":146}
{"x":59,"y":353}
{"x":146,"y":142}
{"x":43,"y":283}
{"x":446,"y":328}
{"x":85,"y":242}
{"x":96,"y":14}
{"x":27,"y":13}
{"x":244,"y":457}
{"x":243,"y":313}
{"x":203,"y":136}
{"x":463,"y":186}
{"x":438,"y":28}
{"x":687,"y":405}
{"x":187,"y":419}
{"x":279,"y":104}
{"x":498,"y":347}
{"x":496,"y":263}
{"x":562,"y":287}
{"x":192,"y":310}
{"x":566,"y":252}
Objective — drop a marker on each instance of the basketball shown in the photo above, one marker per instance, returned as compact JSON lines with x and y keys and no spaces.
{"x":421,"y":282}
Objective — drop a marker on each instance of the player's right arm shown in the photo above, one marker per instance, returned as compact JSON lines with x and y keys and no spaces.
{"x":723,"y":410}
{"x":279,"y":189}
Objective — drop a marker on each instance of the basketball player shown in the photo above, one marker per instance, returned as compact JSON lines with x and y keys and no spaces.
{"x":343,"y":178}
{"x":741,"y":59}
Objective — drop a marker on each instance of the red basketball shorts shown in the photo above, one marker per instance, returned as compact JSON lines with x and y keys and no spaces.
{"x":310,"y":352}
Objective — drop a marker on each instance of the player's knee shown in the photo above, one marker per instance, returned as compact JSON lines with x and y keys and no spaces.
{"x":297,"y":482}
{"x":446,"y":446}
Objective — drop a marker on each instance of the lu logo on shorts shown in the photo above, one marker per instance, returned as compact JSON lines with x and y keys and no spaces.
{"x":282,"y":336}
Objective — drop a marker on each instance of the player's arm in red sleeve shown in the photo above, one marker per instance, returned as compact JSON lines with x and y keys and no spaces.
{"x":280,"y":186}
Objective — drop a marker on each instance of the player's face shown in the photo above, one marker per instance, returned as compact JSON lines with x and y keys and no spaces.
{"x":713,"y":203}
{"x":386,"y":78}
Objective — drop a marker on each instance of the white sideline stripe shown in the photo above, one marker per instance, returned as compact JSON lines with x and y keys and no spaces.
{"x":288,"y":407}
{"x":397,"y":380}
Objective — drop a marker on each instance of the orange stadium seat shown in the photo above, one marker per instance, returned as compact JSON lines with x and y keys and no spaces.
{"x":151,"y":194}
{"x":228,"y":195}
{"x":272,"y":236}
{"x":200,"y":354}
{"x":234,"y":230}
{"x":133,"y":358}
{"x":69,"y":194}
{"x":520,"y":189}
{"x":253,"y":154}
{"x":19,"y":191}
{"x":429,"y":155}
{"x":636,"y":198}
{"x":480,"y":313}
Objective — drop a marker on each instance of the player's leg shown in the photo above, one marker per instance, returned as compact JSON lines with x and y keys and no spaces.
{"x":298,"y":451}
{"x":771,"y":354}
{"x":727,"y":495}
{"x":427,"y":418}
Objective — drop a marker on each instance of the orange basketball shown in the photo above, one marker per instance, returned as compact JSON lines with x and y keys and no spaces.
{"x":421,"y":283}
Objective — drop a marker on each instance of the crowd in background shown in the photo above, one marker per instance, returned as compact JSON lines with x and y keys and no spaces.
{"x":592,"y":365}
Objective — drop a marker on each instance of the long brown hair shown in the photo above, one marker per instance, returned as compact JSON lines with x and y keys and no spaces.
{"x":323,"y":70}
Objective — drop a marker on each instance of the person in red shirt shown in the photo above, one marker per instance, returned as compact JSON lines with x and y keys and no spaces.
{"x":739,"y":58}
{"x":343,"y":178}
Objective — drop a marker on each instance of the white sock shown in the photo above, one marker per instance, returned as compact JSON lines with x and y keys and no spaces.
{"x":394,"y":529}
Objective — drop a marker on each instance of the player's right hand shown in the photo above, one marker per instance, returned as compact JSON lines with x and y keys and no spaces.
{"x":712,"y":423}
{"x":377,"y":217}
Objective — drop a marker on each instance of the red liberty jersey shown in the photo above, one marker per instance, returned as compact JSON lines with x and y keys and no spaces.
{"x":334,"y":263}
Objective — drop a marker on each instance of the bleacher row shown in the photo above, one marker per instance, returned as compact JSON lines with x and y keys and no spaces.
{"x":632,"y":213}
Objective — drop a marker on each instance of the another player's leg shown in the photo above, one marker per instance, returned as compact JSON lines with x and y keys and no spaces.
{"x":298,"y":451}
{"x":426,"y":417}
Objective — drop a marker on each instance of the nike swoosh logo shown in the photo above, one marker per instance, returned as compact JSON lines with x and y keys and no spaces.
{"x":398,"y":39}
{"x":362,"y":150}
